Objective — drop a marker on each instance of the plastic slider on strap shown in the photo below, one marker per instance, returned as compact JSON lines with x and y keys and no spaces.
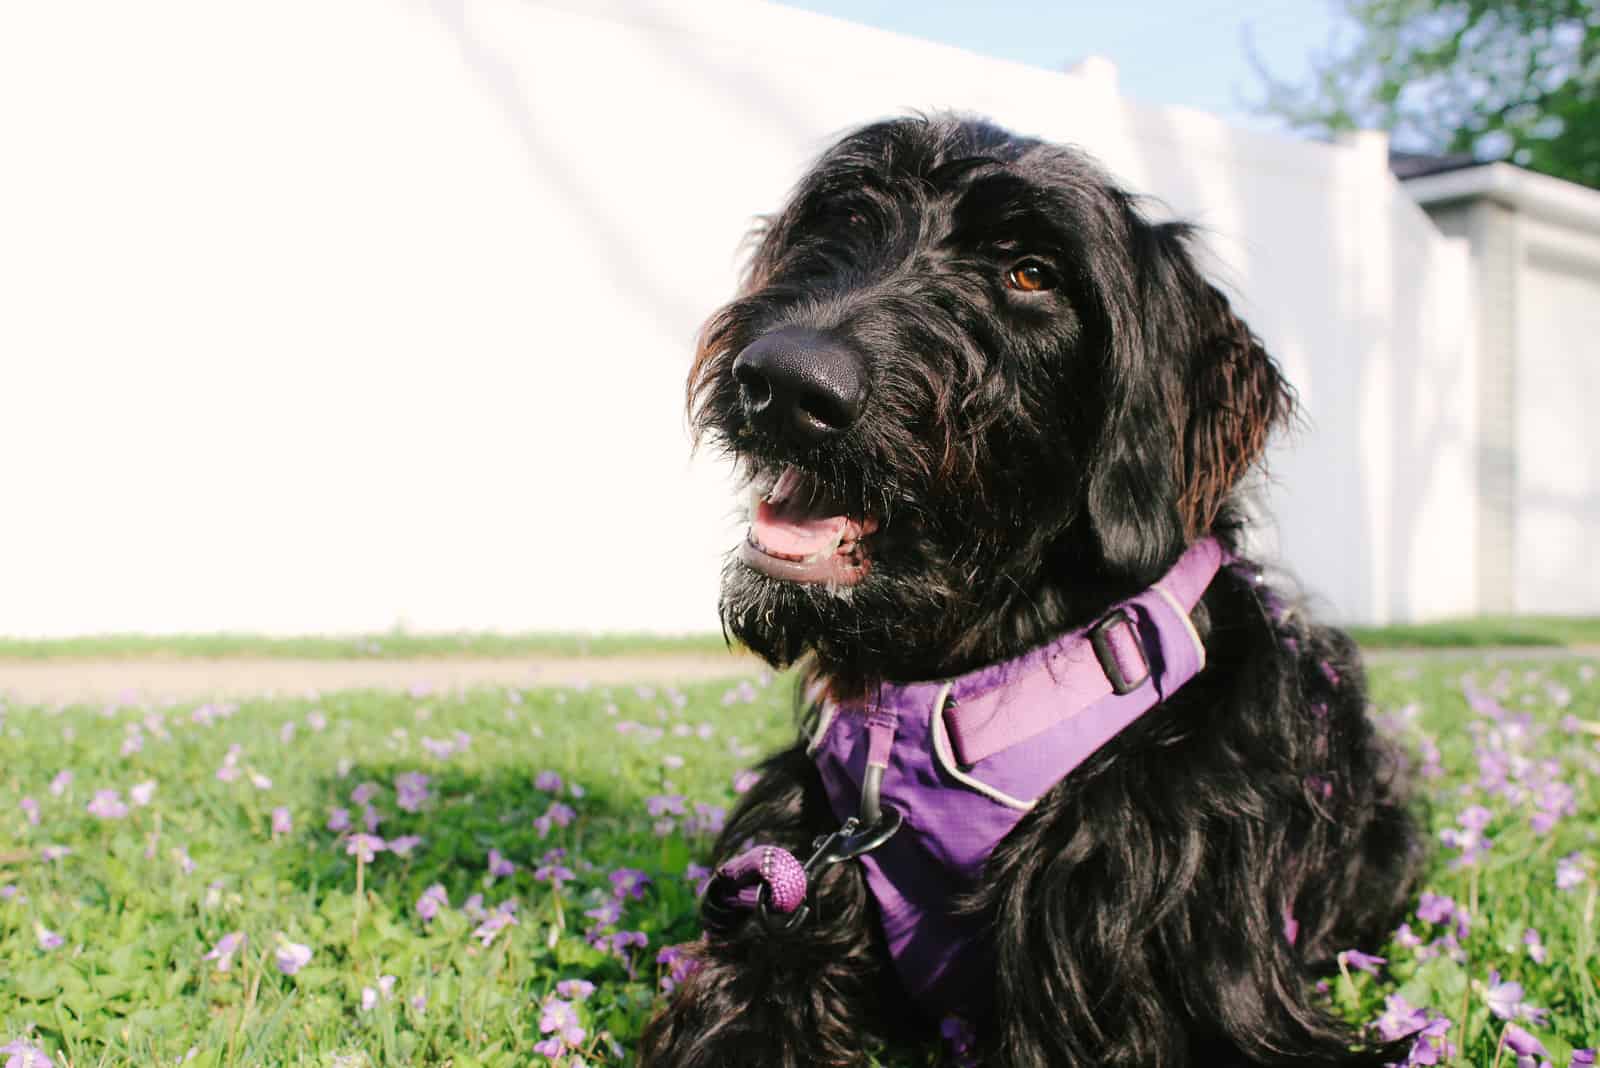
{"x":1120,"y":652}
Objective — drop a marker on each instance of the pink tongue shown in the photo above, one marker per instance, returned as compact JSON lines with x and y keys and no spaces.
{"x":795,"y":536}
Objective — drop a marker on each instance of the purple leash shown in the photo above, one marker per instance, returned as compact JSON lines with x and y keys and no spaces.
{"x":769,"y":878}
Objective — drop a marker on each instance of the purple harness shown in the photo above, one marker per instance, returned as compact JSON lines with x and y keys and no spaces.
{"x":958,"y":762}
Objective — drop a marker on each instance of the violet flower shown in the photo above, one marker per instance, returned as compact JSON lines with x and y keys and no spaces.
{"x":142,"y":793}
{"x":107,"y":805}
{"x":432,"y":900}
{"x":364,"y":847}
{"x":629,"y":882}
{"x":548,"y":781}
{"x":1363,"y":961}
{"x":411,"y":790}
{"x":1536,"y":950}
{"x":575,"y":989}
{"x":561,"y":1018}
{"x":499,"y":866}
{"x":1569,"y":872}
{"x":338,"y":819}
{"x":224,"y":950}
{"x":1504,"y":998}
{"x":402,"y":846}
{"x":23,"y":1054}
{"x":291,"y":957}
{"x":47,"y":938}
{"x":282,"y":823}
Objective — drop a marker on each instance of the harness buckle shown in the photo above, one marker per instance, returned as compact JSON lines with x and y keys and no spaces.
{"x":1100,"y":638}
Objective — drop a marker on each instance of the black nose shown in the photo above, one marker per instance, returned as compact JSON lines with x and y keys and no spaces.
{"x":800,"y":384}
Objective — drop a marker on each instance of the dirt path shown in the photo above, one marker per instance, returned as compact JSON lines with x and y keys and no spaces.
{"x":93,"y":681}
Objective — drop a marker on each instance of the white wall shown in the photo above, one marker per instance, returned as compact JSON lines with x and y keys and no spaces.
{"x":1558,"y":436}
{"x":323,"y":316}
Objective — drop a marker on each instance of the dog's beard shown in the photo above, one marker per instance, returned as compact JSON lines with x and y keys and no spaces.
{"x":779,"y":620}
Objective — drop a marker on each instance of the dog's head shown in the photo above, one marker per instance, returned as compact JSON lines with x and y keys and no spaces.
{"x":976,"y":394}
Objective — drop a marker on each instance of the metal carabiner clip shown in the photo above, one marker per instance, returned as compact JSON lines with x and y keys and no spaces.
{"x":848,"y":842}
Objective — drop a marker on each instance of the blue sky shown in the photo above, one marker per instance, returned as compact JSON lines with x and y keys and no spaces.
{"x":1166,"y":51}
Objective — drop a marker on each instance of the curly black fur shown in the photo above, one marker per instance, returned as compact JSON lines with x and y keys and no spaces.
{"x":1033,"y":457}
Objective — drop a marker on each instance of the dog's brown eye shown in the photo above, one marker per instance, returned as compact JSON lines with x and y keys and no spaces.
{"x":1030,"y":276}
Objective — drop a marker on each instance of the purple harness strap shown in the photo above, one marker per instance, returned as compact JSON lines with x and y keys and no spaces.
{"x":962,"y":760}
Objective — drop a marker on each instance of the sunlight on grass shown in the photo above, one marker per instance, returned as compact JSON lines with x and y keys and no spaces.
{"x":488,"y":879}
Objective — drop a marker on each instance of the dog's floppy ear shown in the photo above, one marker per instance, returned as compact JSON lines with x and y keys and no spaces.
{"x":1234,"y":398}
{"x":1195,"y":398}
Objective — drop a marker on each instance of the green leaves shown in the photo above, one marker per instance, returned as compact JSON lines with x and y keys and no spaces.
{"x":1517,"y":81}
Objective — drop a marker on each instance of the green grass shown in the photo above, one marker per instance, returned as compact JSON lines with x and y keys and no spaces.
{"x":1553,"y":631}
{"x":130,"y":985}
{"x":394,"y":645}
{"x":1550,"y":631}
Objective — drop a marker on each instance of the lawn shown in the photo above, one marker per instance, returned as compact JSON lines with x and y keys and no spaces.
{"x":392,"y":645}
{"x":187,"y":883}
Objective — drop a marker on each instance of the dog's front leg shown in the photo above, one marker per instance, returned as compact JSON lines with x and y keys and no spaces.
{"x":773,"y":998}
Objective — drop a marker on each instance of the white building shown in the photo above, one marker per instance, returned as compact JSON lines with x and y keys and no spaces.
{"x":1535,"y":245}
{"x":324,"y":317}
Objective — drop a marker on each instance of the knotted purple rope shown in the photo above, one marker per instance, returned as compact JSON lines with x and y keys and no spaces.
{"x":737,"y":884}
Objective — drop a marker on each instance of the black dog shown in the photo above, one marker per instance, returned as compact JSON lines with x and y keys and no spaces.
{"x":982,"y":399}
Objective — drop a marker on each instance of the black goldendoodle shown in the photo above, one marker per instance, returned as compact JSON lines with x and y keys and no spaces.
{"x":995,"y":421}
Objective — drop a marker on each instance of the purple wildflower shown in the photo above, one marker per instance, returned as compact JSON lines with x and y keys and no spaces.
{"x":473,"y":907}
{"x":338,"y":819}
{"x":224,"y":950}
{"x":554,"y":874}
{"x":679,"y":961}
{"x":107,"y":805}
{"x":1569,"y":871}
{"x":370,"y":819}
{"x":1536,"y":950}
{"x":708,"y":819}
{"x":142,"y":793}
{"x":23,"y":1054}
{"x":1435,"y":908}
{"x":606,"y":915}
{"x":1582,"y":1058}
{"x":47,"y":938}
{"x":664,"y":804}
{"x":575,"y":989}
{"x":1399,"y":1019}
{"x":411,"y":790}
{"x":59,"y":784}
{"x":364,"y":847}
{"x":1363,"y":961}
{"x":1521,"y":1043}
{"x":499,"y":866}
{"x":291,"y":957}
{"x":30,"y":808}
{"x":1504,"y":998}
{"x":548,"y":781}
{"x":402,"y":846}
{"x":364,"y":793}
{"x":494,"y":923}
{"x":54,"y":852}
{"x":560,"y":1018}
{"x":629,"y":882}
{"x":369,"y":999}
{"x":432,"y":900}
{"x":282,"y":822}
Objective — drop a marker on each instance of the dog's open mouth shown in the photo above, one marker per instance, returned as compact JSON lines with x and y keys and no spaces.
{"x":799,"y":533}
